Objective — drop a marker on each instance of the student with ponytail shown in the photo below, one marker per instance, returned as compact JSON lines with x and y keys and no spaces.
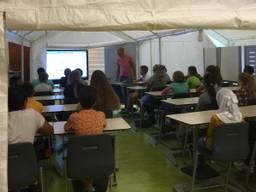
{"x":207,"y":100}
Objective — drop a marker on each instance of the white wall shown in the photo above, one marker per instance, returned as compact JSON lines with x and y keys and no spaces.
{"x":149,"y":54}
{"x":178,"y":52}
{"x":230,"y":63}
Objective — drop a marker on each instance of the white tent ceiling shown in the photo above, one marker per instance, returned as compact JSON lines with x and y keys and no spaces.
{"x":103,"y":15}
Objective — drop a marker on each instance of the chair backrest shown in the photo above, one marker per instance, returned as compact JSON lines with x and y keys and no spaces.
{"x":230,"y":142}
{"x":44,"y":93}
{"x":90,"y":156}
{"x":180,"y":95}
{"x":22,"y":166}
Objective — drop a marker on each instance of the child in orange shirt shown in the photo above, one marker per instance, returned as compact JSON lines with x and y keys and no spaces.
{"x":32,"y":103}
{"x":87,"y":121}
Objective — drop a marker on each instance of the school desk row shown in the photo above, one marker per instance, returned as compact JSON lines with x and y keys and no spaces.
{"x":112,"y":125}
{"x":133,"y":88}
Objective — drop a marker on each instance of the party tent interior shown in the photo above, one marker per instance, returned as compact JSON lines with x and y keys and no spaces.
{"x":174,"y":33}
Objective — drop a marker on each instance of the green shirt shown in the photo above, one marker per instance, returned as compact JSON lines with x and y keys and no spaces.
{"x":179,"y":87}
{"x":193,"y":82}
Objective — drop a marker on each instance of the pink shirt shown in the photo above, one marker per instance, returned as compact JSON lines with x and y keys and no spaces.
{"x":125,"y":64}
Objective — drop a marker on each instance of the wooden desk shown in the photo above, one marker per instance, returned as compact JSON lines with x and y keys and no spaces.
{"x":49,"y":97}
{"x":157,"y":94}
{"x":57,"y":90}
{"x":137,"y":88}
{"x":182,"y":101}
{"x":236,"y":88}
{"x":203,"y":117}
{"x":113,"y":124}
{"x":60,"y":108}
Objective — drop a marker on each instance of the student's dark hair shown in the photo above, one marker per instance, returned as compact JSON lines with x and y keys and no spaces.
{"x":28,"y":89}
{"x":215,"y":71}
{"x":43,"y":77}
{"x":178,"y":77}
{"x":67,"y":72}
{"x":16,"y":98}
{"x":209,"y":81}
{"x":192,"y":70}
{"x":13,"y":81}
{"x":144,"y":68}
{"x":40,"y":70}
{"x":87,"y":97}
{"x":80,"y":71}
{"x":248,"y":69}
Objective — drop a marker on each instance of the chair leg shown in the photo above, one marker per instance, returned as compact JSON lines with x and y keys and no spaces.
{"x":227,"y":176}
{"x":194,"y":170}
{"x":251,"y":163}
{"x":42,"y":179}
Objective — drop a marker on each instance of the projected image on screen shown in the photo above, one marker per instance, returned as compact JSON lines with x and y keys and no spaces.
{"x":59,"y":60}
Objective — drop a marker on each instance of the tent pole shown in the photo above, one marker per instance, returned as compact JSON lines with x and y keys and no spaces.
{"x":22,"y":59}
{"x":137,"y":58}
{"x":160,"y":49}
{"x":3,"y":108}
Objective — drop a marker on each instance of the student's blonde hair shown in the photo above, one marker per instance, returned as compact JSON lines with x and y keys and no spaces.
{"x":106,"y":96}
{"x":248,"y":83}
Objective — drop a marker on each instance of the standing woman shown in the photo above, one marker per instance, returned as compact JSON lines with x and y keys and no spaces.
{"x":106,"y":96}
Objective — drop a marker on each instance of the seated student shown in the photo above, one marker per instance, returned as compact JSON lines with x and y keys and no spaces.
{"x":143,"y":74}
{"x":248,"y":69}
{"x":31,"y":103}
{"x":106,"y":96}
{"x":71,"y":92}
{"x":228,"y":112}
{"x":207,"y":99}
{"x":81,"y":75}
{"x":215,"y":71}
{"x":178,"y":86}
{"x":247,"y":91}
{"x":64,"y":81}
{"x":37,"y":81}
{"x":86,"y":122}
{"x":159,"y":79}
{"x":43,"y":86}
{"x":15,"y":81}
{"x":157,"y":82}
{"x":24,"y":123}
{"x":133,"y":97}
{"x":193,"y":78}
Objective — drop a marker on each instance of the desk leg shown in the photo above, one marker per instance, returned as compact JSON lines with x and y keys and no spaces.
{"x":252,"y":163}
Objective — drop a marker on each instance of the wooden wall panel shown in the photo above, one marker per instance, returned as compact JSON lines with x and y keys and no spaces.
{"x":15,"y":59}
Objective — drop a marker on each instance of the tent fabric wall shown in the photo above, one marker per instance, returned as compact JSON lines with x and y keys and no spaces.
{"x":178,"y":52}
{"x":3,"y":109}
{"x":128,"y":14}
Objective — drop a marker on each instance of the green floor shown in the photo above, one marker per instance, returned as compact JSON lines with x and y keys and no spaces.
{"x":142,"y":167}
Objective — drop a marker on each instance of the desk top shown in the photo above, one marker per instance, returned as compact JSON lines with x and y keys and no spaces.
{"x":157,"y":93}
{"x":203,"y":117}
{"x":137,"y":88}
{"x":59,"y":108}
{"x":57,"y":90}
{"x":182,"y":101}
{"x":236,"y":88}
{"x":49,"y":97}
{"x":114,"y":124}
